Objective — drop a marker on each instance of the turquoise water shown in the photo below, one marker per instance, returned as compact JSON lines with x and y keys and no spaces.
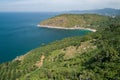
{"x":19,"y":33}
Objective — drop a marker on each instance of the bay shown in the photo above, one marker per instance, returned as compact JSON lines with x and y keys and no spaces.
{"x":19,"y":33}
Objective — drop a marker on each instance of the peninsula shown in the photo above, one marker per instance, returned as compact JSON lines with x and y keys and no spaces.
{"x":75,"y":21}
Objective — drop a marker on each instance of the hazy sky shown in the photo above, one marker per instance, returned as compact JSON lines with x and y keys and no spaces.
{"x":56,"y":5}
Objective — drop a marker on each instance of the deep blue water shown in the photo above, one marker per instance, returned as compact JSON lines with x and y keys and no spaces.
{"x":19,"y":33}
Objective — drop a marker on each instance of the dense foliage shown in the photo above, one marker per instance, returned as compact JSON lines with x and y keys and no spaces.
{"x":95,"y":56}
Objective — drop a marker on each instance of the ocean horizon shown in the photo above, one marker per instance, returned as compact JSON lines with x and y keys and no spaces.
{"x":19,"y":33}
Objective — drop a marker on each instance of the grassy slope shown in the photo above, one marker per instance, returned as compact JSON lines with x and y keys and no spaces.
{"x":81,"y":20}
{"x":94,"y":56}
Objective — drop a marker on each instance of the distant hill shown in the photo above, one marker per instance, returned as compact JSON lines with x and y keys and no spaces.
{"x":105,"y":11}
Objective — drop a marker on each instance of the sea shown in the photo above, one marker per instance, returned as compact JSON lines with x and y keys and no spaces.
{"x":19,"y":33}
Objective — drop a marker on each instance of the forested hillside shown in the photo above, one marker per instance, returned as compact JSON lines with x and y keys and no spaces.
{"x":95,"y":56}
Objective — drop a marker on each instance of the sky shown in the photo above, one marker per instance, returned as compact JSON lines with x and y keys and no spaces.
{"x":55,"y":5}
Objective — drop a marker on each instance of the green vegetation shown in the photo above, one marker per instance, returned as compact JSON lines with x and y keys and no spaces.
{"x":76,"y":20}
{"x":95,"y":56}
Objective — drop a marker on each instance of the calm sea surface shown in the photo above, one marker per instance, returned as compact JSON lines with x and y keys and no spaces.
{"x":19,"y":33}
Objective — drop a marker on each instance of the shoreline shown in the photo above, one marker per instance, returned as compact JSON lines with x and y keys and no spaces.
{"x":55,"y":27}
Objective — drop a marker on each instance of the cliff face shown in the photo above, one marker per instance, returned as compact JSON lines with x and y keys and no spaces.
{"x":95,"y":56}
{"x":76,"y":20}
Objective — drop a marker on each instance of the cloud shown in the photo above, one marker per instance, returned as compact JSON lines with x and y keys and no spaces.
{"x":56,"y":5}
